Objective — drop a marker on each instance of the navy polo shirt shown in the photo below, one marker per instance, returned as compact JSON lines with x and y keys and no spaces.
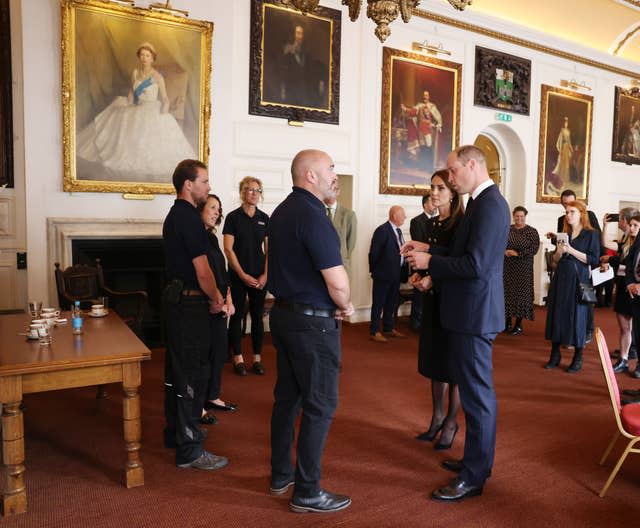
{"x":184,"y":238}
{"x":302,"y":241}
{"x":248,"y":236}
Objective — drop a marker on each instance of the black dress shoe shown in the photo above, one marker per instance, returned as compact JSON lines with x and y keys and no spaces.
{"x":208,"y":405}
{"x":621,"y":366}
{"x":257,"y":368}
{"x":208,"y":419}
{"x":280,"y":487}
{"x":240,"y":369}
{"x":322,"y":502}
{"x":517,"y":330}
{"x":636,"y":372}
{"x":453,"y":465}
{"x":457,"y":490}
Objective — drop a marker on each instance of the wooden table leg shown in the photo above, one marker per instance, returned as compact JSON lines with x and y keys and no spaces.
{"x":14,"y":494}
{"x":131,"y":379}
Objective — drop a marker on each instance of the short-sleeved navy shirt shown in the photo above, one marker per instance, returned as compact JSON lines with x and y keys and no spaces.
{"x":302,"y":241}
{"x":248,"y":236}
{"x":184,"y":238}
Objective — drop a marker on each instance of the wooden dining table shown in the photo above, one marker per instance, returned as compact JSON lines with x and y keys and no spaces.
{"x":106,"y":352}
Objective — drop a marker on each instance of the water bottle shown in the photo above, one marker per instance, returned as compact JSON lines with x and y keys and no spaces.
{"x":76,"y":319}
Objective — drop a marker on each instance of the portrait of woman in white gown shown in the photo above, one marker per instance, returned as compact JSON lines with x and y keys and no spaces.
{"x":136,"y":138}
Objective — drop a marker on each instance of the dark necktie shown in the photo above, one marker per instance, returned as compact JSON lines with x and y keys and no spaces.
{"x":400,"y":241}
{"x":330,"y":213}
{"x":469,"y":202}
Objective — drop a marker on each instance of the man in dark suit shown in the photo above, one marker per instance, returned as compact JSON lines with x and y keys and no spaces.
{"x":472,"y":310}
{"x":418,"y":231}
{"x":388,"y":269}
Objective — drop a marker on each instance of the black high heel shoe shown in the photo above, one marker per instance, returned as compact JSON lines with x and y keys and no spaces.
{"x":440,"y":446}
{"x":431,"y":433}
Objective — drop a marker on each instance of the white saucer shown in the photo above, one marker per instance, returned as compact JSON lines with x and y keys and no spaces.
{"x":103,"y":314}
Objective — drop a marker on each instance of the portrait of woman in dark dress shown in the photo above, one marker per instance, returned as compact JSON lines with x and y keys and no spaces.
{"x":433,"y":357}
{"x":566,"y":316}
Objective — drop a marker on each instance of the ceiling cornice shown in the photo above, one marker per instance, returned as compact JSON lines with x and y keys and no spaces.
{"x":525,"y":43}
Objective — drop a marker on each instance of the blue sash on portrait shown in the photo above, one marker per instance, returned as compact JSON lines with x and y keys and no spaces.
{"x":141,"y":88}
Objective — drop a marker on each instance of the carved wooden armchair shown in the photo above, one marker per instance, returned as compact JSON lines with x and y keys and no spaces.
{"x":86,"y":283}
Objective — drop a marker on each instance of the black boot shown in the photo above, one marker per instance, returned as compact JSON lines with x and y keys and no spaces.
{"x":507,"y":326}
{"x":576,"y":364}
{"x":621,"y":365}
{"x":517,"y":329}
{"x":554,"y":359}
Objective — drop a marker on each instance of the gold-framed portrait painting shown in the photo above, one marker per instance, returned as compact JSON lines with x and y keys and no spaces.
{"x":135,"y":96}
{"x":420,"y":119}
{"x":626,"y":126}
{"x":294,"y":70}
{"x":564,"y":144}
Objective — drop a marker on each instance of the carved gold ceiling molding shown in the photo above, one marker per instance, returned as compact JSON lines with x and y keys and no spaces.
{"x":626,"y":39}
{"x":634,"y":3}
{"x":421,"y":13}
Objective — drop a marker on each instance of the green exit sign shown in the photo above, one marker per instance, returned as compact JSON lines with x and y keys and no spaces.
{"x":501,"y":116}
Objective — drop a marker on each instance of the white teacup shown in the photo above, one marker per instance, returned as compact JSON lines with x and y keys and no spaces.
{"x":97,"y":309}
{"x":46,"y":311}
{"x":33,"y":330}
{"x":50,"y":318}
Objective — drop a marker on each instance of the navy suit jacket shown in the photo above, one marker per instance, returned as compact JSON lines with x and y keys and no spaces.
{"x":384,"y":255}
{"x":470,"y":276}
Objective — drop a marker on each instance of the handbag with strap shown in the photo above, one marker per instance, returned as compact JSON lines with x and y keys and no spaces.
{"x":586,"y":291}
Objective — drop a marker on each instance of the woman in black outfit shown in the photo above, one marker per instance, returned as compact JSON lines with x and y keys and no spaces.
{"x":628,"y":224}
{"x":211,"y":214}
{"x":245,"y":245}
{"x":433,"y":352}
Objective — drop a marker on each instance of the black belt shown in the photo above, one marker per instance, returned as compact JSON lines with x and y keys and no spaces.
{"x":305,"y":309}
{"x":193,"y":293}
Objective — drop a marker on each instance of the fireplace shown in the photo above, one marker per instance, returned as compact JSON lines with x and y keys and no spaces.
{"x":130,"y":264}
{"x":130,"y":251}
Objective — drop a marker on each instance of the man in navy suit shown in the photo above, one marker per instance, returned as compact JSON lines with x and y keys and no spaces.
{"x":388,"y":269}
{"x":472,"y":310}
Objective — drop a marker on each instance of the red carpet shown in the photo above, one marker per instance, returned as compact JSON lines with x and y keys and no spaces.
{"x":552,"y":430}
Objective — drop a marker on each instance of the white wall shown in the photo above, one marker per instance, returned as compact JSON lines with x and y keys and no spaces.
{"x":242,"y":144}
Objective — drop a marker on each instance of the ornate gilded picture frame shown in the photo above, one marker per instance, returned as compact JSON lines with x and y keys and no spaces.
{"x":420,"y":121}
{"x":625,"y":145}
{"x":6,"y":99}
{"x":502,"y":81}
{"x":564,"y":145}
{"x":135,"y":96}
{"x":294,"y":70}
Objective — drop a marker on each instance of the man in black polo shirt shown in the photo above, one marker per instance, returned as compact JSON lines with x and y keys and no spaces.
{"x":311,"y":288}
{"x":189,"y":297}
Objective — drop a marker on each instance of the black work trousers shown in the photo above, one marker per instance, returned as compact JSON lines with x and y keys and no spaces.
{"x":186,"y":373}
{"x":217,"y":355}
{"x":239,"y":293}
{"x":308,"y":357}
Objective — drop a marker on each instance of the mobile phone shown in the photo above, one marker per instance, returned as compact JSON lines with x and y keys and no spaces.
{"x":613,"y":217}
{"x":562,"y":238}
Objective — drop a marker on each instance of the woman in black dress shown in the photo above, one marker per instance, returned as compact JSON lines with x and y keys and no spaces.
{"x":433,"y":354}
{"x":211,"y":214}
{"x":628,"y":224}
{"x":566,"y":316}
{"x":522,"y":246}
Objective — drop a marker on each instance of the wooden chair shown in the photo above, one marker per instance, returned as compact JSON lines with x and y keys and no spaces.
{"x":627,"y":417}
{"x":86,"y":283}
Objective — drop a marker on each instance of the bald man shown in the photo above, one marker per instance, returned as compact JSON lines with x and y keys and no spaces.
{"x":310,"y":284}
{"x":388,"y":269}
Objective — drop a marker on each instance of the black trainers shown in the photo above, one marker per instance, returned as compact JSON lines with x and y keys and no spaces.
{"x":207,"y":461}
